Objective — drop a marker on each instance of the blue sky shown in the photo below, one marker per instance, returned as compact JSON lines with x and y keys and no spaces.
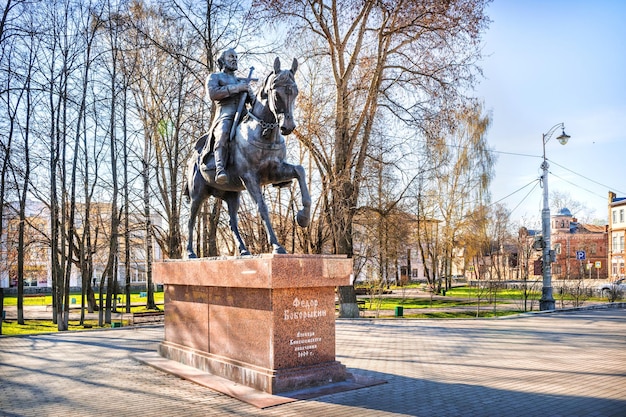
{"x":548,"y":62}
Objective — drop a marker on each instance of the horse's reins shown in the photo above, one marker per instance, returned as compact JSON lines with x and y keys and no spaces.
{"x":268,"y":127}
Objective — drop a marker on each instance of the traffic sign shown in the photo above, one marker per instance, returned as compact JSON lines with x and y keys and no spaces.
{"x":598,"y":264}
{"x":581,"y":255}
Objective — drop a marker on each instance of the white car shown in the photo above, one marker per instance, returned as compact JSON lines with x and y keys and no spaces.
{"x":618,"y":285}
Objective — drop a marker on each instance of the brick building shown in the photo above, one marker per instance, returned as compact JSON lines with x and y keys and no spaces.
{"x":581,"y":249}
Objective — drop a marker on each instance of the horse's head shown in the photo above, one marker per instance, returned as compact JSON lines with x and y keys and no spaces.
{"x":281,"y":91}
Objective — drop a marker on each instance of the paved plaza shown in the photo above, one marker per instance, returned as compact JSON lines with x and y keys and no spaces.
{"x":557,"y":364}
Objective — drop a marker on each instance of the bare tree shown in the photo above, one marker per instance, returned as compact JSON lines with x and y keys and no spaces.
{"x":403,"y":58}
{"x":8,"y":124}
{"x":462,"y":181}
{"x":25,"y":174}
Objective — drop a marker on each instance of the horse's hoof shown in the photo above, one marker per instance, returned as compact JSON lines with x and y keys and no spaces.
{"x":244,"y":253}
{"x":279,"y":249}
{"x":191,"y":255}
{"x":302,"y":219}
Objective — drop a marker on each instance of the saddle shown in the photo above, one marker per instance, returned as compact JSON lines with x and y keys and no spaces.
{"x":203,"y":149}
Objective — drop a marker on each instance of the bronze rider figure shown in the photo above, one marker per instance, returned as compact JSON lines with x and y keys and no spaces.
{"x":224,"y":89}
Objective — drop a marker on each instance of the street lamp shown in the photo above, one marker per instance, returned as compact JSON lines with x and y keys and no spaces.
{"x":547,"y":300}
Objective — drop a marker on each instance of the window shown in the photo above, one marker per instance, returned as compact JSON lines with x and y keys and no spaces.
{"x":621,"y":243}
{"x":556,"y":269}
{"x":614,"y":216}
{"x":557,"y":248}
{"x":614,"y":245}
{"x":593,"y":249}
{"x":621,"y":216}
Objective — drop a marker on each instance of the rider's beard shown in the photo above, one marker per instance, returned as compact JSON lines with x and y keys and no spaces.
{"x":231,"y":66}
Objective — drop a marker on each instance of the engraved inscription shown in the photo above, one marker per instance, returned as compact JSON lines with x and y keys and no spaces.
{"x":305,"y":344}
{"x":304,"y":309}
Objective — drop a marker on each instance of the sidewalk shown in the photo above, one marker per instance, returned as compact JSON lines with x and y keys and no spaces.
{"x":555,"y":364}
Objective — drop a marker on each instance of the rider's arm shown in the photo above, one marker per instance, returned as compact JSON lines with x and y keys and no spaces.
{"x":218,"y":92}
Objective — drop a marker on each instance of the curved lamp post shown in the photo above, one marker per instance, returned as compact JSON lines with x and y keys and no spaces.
{"x":547,"y":300}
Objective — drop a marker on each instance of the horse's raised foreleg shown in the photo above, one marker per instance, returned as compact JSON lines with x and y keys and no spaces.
{"x":232,"y":201}
{"x":304,"y":215}
{"x":289,"y":172}
{"x":254,"y":189}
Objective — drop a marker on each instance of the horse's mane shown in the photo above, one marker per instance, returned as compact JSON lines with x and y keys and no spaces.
{"x":272,"y":79}
{"x":263,"y":87}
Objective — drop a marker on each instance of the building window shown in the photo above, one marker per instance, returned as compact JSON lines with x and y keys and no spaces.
{"x":614,"y":216}
{"x":621,"y":216}
{"x":621,"y":243}
{"x":556,"y":269}
{"x":593,"y":249}
{"x":557,"y":248}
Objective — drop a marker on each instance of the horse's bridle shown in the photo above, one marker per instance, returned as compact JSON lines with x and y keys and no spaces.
{"x":285,"y":80}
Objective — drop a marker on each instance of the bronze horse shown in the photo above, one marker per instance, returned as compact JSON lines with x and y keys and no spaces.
{"x":257,"y":158}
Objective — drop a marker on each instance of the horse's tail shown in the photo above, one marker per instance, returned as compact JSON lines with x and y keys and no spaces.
{"x":193,"y":168}
{"x":186,"y":192}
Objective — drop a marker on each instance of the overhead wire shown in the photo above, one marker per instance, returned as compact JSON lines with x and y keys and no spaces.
{"x":576,"y":185}
{"x":552,"y":162}
{"x":588,"y":179}
{"x":526,"y":196}
{"x":516,"y":191}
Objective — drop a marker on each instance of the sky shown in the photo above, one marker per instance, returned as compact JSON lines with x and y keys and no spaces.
{"x":548,"y":62}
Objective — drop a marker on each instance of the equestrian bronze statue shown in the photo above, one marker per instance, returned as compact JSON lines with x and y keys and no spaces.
{"x":255,"y":156}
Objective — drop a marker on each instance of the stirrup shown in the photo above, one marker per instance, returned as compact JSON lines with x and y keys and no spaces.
{"x":221,"y":178}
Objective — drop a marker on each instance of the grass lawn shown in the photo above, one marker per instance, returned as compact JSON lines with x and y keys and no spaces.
{"x":455,"y":297}
{"x":12,"y":328}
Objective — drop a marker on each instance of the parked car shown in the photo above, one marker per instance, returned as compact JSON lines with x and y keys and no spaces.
{"x":618,"y":285}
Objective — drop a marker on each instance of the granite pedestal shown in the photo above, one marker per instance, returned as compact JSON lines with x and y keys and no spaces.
{"x":266,"y":322}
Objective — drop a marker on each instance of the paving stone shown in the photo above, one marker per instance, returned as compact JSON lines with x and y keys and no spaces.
{"x":557,"y":364}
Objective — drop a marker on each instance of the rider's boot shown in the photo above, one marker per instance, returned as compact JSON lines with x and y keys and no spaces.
{"x":220,"y":173}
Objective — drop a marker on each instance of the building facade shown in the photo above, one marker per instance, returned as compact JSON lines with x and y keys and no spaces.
{"x":37,"y":251}
{"x":581,"y":249}
{"x":616,"y":232}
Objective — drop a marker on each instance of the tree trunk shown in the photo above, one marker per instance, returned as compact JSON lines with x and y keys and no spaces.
{"x":1,"y":308}
{"x":126,"y":203}
{"x":348,"y":307}
{"x":150,"y":304}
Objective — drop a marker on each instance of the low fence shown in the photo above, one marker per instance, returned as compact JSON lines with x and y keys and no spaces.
{"x":589,"y":286}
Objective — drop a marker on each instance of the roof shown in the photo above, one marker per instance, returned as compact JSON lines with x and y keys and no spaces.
{"x":592,"y":228}
{"x":565,"y":212}
{"x":617,"y":201}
